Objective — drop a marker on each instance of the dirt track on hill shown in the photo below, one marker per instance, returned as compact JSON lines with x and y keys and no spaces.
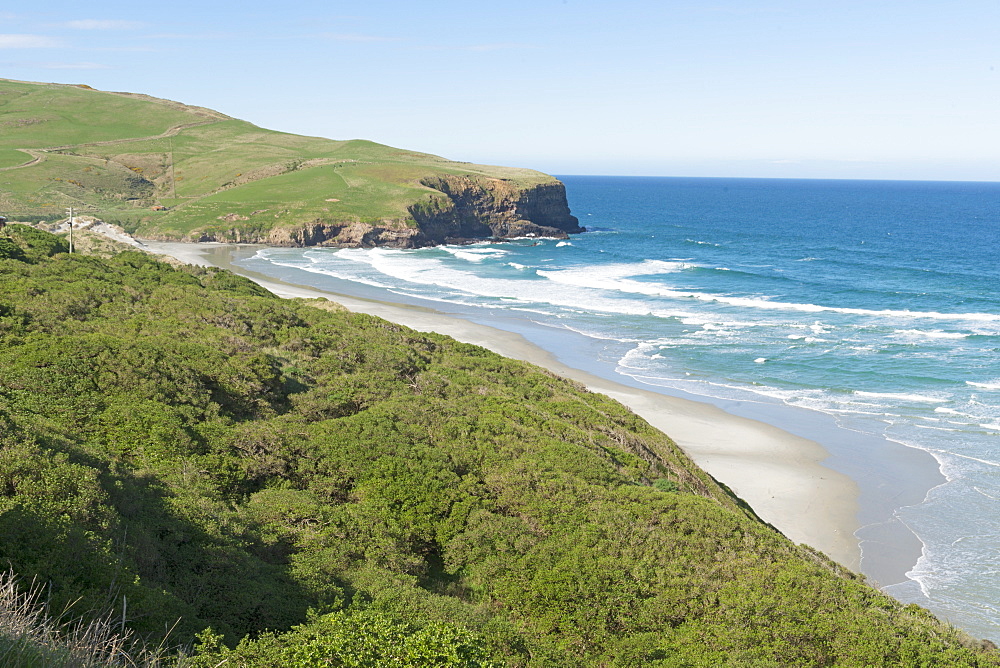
{"x":38,"y":153}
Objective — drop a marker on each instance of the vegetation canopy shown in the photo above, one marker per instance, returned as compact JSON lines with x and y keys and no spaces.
{"x":272,"y":483}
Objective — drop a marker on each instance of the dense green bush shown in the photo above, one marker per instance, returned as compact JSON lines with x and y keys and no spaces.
{"x":179,"y":444}
{"x":10,"y":249}
{"x":366,"y":638}
{"x":34,"y":244}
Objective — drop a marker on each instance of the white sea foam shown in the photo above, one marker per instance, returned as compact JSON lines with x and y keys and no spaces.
{"x":613,"y":278}
{"x":763,"y":303}
{"x":709,"y":323}
{"x":592,"y":276}
{"x":988,"y":496}
{"x":950,"y":411}
{"x":420,"y":268}
{"x":532,"y":237}
{"x":990,"y":385}
{"x":313,"y":265}
{"x":474,"y":253}
{"x":944,"y":453}
{"x":898,"y":396}
{"x":602,"y":336}
{"x":929,"y":334}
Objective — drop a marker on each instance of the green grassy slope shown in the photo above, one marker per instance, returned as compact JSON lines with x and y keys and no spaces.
{"x":184,"y":441}
{"x":116,"y":155}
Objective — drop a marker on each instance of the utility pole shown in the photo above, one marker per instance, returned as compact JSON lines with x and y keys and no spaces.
{"x":70,"y":211}
{"x":173,"y":177}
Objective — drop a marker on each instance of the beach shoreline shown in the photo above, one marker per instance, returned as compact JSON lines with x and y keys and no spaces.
{"x":786,"y":478}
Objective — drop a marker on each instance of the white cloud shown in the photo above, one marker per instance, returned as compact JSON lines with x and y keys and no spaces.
{"x":28,"y":42}
{"x":104,"y":24}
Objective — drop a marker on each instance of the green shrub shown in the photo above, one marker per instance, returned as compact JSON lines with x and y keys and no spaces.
{"x":9,"y":250}
{"x":665,"y":485}
{"x":36,"y":244}
{"x":364,"y":638}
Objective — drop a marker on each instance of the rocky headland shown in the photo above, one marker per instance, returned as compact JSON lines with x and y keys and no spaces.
{"x":463,"y":209}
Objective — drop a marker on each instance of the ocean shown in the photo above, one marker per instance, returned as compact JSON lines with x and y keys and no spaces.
{"x":874,"y":304}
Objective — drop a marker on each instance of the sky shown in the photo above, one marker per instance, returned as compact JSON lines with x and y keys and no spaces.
{"x":789,"y":89}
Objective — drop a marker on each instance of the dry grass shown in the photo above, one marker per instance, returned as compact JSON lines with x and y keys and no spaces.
{"x":30,"y":636}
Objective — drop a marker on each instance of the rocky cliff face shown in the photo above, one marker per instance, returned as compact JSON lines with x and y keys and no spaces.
{"x":346,"y":235}
{"x":479,"y":207}
{"x":468,"y":208}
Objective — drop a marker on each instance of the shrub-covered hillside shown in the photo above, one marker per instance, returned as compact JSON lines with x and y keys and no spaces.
{"x":179,"y":444}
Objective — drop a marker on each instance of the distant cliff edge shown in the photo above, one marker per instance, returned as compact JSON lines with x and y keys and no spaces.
{"x":466,"y":209}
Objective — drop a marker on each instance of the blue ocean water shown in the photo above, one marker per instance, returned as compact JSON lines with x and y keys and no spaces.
{"x":877,"y":303}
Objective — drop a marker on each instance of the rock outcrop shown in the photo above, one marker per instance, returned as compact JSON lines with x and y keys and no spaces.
{"x":479,"y":207}
{"x":346,"y":235}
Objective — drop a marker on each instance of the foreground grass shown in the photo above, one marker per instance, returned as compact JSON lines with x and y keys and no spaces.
{"x":31,"y":637}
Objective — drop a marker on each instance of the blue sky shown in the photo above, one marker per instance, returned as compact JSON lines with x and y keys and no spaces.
{"x":907,"y":90}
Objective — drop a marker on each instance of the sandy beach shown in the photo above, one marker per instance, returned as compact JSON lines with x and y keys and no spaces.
{"x":779,"y":474}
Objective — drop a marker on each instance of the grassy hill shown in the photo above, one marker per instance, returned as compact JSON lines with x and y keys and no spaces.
{"x":181,"y":450}
{"x":117,"y":156}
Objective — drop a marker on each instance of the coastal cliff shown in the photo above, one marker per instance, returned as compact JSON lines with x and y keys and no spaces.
{"x":476,"y":208}
{"x":460,"y":209}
